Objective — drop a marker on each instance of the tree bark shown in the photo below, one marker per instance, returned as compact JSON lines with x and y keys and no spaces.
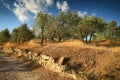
{"x":82,"y":36}
{"x":53,"y":35}
{"x":42,"y":37}
{"x":60,"y":39}
{"x":90,"y":38}
{"x":86,"y":38}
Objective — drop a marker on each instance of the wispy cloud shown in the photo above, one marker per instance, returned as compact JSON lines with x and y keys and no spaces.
{"x":49,"y":2}
{"x":21,"y":12}
{"x":58,"y":5}
{"x":33,"y":6}
{"x":82,"y":14}
{"x":93,"y":14}
{"x":23,"y":7}
{"x":85,"y":13}
{"x":7,"y":6}
{"x":62,"y":6}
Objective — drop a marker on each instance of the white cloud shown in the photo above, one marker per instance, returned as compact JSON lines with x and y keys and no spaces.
{"x":33,"y":6}
{"x":49,"y":2}
{"x":21,"y":12}
{"x":7,"y":6}
{"x":93,"y":14}
{"x":58,"y":5}
{"x":23,"y":7}
{"x":82,"y":14}
{"x":64,"y":6}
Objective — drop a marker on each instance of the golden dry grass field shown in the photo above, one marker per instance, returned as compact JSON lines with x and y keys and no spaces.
{"x":100,"y":62}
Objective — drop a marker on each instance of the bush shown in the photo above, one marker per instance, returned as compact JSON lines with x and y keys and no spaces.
{"x":21,"y":34}
{"x":4,"y":36}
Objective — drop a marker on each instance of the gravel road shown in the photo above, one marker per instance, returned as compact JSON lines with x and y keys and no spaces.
{"x":11,"y":69}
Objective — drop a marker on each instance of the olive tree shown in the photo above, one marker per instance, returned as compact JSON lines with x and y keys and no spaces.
{"x":21,"y":34}
{"x":41,"y":23}
{"x":4,"y":36}
{"x":88,"y":26}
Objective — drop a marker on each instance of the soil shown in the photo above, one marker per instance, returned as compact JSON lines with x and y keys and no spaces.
{"x":11,"y":69}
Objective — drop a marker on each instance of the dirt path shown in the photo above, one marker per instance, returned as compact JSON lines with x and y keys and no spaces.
{"x":11,"y":69}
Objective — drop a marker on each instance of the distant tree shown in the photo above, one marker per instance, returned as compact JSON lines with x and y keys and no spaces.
{"x":61,"y":25}
{"x":97,"y":26}
{"x":15,"y":37}
{"x":4,"y":36}
{"x":112,"y":25}
{"x":21,"y":34}
{"x":25,"y":33}
{"x":118,"y":33}
{"x":50,"y":29}
{"x":83,"y":28}
{"x":66,"y":24}
{"x":72,"y":20}
{"x":41,"y":22}
{"x":88,"y":26}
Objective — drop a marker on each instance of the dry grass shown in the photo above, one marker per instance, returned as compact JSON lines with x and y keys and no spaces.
{"x":108,"y":43}
{"x":30,"y":44}
{"x":102,"y":62}
{"x":98,"y":61}
{"x":27,"y":45}
{"x":39,"y":70}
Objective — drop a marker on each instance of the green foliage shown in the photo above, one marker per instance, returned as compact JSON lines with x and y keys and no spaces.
{"x":117,"y":33}
{"x":51,"y":28}
{"x":66,"y":24}
{"x":111,"y":30}
{"x":4,"y":36}
{"x":89,"y":26}
{"x":41,"y":22}
{"x":21,"y":34}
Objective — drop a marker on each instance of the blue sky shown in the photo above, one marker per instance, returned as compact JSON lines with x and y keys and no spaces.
{"x":15,"y":12}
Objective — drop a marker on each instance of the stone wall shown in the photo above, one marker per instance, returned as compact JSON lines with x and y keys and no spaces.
{"x":45,"y":60}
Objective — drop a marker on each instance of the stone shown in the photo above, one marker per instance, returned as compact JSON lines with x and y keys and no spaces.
{"x":60,"y":61}
{"x":47,"y":61}
{"x":45,"y":57}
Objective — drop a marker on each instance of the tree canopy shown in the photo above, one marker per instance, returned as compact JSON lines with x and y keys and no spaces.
{"x":21,"y":34}
{"x":4,"y":36}
{"x":64,"y":26}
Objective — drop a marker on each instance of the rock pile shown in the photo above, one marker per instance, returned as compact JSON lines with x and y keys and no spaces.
{"x":45,"y":60}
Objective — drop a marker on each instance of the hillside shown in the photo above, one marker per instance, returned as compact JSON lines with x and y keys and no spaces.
{"x":94,"y":62}
{"x":97,"y":62}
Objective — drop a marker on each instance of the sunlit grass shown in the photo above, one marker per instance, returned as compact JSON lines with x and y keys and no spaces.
{"x":99,"y":60}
